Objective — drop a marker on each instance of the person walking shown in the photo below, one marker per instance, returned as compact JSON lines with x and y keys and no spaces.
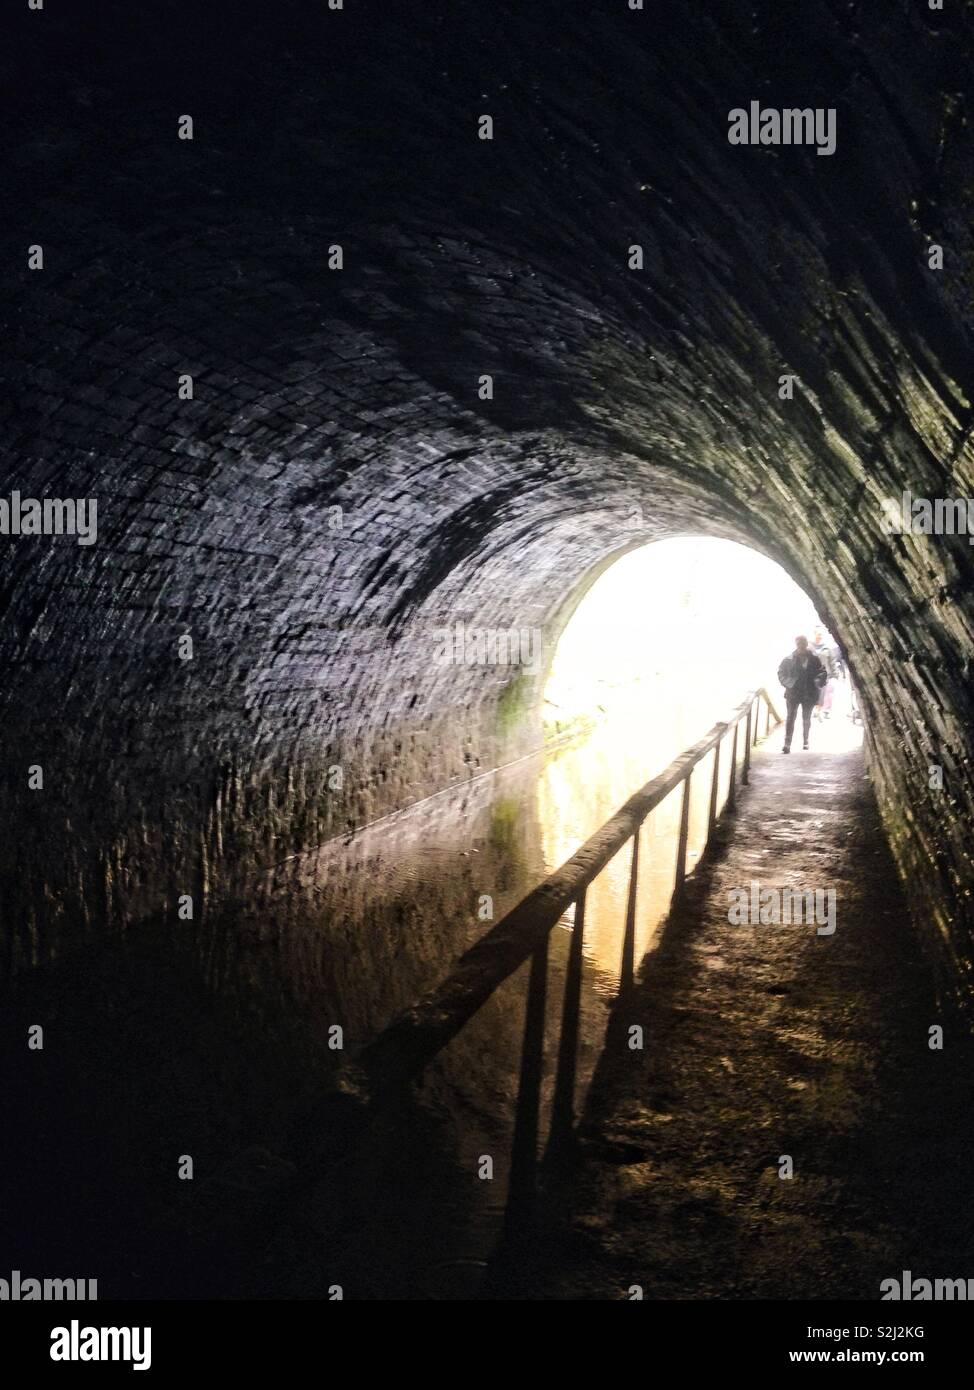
{"x":823,"y":708}
{"x":803,"y":675}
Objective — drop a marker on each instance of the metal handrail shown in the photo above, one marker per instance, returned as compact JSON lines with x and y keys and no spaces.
{"x":413,"y":1039}
{"x":340,"y":1128}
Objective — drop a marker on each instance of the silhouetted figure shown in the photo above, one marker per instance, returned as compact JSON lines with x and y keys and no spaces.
{"x":855,"y":713}
{"x":825,"y":655}
{"x":803,"y":676}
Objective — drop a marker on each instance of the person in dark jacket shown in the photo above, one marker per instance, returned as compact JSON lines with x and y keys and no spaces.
{"x":803,"y":676}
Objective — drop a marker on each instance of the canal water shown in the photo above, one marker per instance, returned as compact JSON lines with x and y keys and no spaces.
{"x":374,"y":922}
{"x":206,"y":1046}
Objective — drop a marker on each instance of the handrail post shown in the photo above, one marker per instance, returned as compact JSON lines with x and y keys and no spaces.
{"x":746,"y":770}
{"x":524,"y":1149}
{"x":627,"y":969}
{"x":712,"y":817}
{"x":732,"y":785}
{"x":757,"y":718}
{"x":681,"y":847}
{"x":563,"y":1104}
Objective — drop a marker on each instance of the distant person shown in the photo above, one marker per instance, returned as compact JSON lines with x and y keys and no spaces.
{"x":803,"y":676}
{"x":823,"y":708}
{"x":855,"y":713}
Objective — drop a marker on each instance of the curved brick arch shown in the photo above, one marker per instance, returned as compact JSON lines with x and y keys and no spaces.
{"x":614,"y":389}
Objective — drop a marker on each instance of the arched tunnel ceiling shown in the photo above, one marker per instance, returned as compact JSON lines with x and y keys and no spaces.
{"x":627,"y":404}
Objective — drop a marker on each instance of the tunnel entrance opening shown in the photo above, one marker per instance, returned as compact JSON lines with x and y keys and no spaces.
{"x":675,"y":630}
{"x":651,"y":732}
{"x":667,"y":640}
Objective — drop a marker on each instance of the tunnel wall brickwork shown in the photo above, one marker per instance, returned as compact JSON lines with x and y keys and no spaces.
{"x":627,"y":404}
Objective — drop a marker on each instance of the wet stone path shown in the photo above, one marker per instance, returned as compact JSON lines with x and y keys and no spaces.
{"x":762,"y":1042}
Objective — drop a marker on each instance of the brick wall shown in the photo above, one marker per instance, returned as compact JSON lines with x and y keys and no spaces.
{"x":627,"y":405}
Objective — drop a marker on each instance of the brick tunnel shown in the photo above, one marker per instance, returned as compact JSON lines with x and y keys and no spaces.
{"x":341,"y":372}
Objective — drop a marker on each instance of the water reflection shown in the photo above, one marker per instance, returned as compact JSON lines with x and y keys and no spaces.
{"x":225,"y":1028}
{"x":356,"y":932}
{"x":577,"y":789}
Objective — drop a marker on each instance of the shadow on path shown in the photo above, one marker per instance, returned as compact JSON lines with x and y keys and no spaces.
{"x":765,"y":1041}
